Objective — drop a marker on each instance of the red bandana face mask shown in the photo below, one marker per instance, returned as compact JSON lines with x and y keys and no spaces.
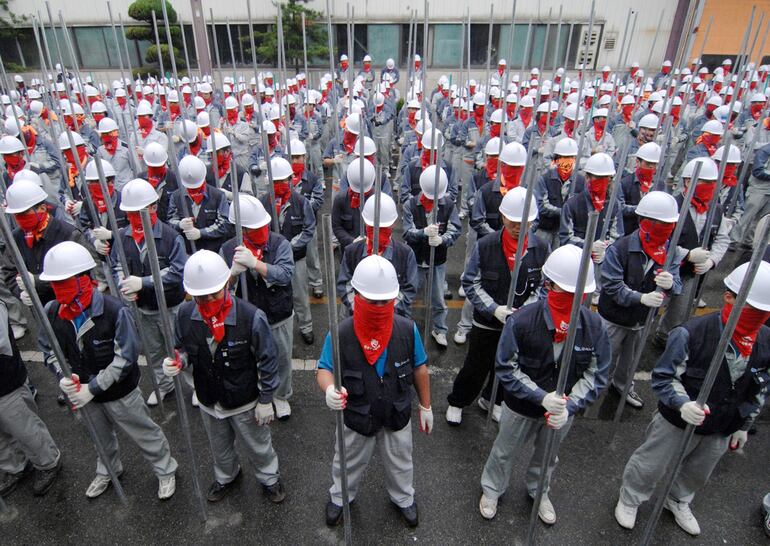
{"x":98,"y":196}
{"x":248,"y":112}
{"x":666,"y":69}
{"x":214,"y":313}
{"x":627,"y":110}
{"x":355,"y":198}
{"x":645,"y":175}
{"x":163,"y":102}
{"x":426,"y":202}
{"x":145,"y":125}
{"x":426,"y":159}
{"x":385,"y":234}
{"x":749,"y":323}
{"x":494,"y":130}
{"x":33,"y":224}
{"x":710,"y":111}
{"x":30,"y":137}
{"x":560,"y":305}
{"x":569,"y":127}
{"x":373,"y":325}
{"x":206,"y":131}
{"x":597,"y":190}
{"x":509,"y":248}
{"x":121,"y":101}
{"x":599,"y":125}
{"x":272,"y":141}
{"x":349,"y":141}
{"x":232,"y":116}
{"x":756,"y":109}
{"x":525,"y":114}
{"x":704,"y":192}
{"x":654,"y":236}
{"x":256,"y":239}
{"x":223,"y":163}
{"x":491,"y":167}
{"x":410,"y":116}
{"x":510,"y":109}
{"x":542,"y":121}
{"x":565,"y":166}
{"x":155,"y":175}
{"x":197,"y":194}
{"x":195,"y":145}
{"x":730,"y":180}
{"x":298,"y":169}
{"x":13,"y":163}
{"x":110,"y":141}
{"x":510,"y":177}
{"x":344,"y":65}
{"x":174,"y":110}
{"x":710,"y":141}
{"x":282,"y":194}
{"x":73,"y":295}
{"x":588,"y":101}
{"x":135,"y":221}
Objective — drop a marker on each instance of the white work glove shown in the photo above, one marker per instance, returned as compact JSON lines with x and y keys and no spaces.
{"x":236,"y":269}
{"x":25,"y":298}
{"x":554,"y":404}
{"x":652,"y":299}
{"x":698,"y":255}
{"x":227,"y":193}
{"x":73,"y":207}
{"x":502,"y":312}
{"x":339,"y":158}
{"x":175,"y":139}
{"x":692,"y":414}
{"x":192,"y":234}
{"x":34,"y":165}
{"x":262,"y":166}
{"x":359,"y":238}
{"x":435,"y":241}
{"x":20,"y":283}
{"x":130,"y":286}
{"x":556,"y":420}
{"x":102,"y":247}
{"x":244,"y":257}
{"x":426,"y":419}
{"x":431,"y":230}
{"x":597,"y":251}
{"x":264,"y":414}
{"x":102,"y":233}
{"x":79,"y":395}
{"x":172,"y":366}
{"x":336,"y":400}
{"x":703,"y":267}
{"x":738,"y":439}
{"x":664,"y":280}
{"x":139,"y":151}
{"x":186,"y":223}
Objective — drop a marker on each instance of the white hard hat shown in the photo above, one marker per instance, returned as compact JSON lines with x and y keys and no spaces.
{"x":155,"y":155}
{"x":64,"y":143}
{"x":428,"y":182}
{"x":23,"y":195}
{"x":247,"y":99}
{"x":136,"y":195}
{"x":92,"y":173}
{"x":600,"y":113}
{"x":562,"y":267}
{"x":715,"y":100}
{"x":353,"y":123}
{"x":497,"y":116}
{"x":198,"y":102}
{"x":708,"y":170}
{"x":11,"y":128}
{"x":734,"y":156}
{"x":390,"y":63}
{"x":107,"y":125}
{"x":253,"y":213}
{"x":367,"y":59}
{"x":479,"y":99}
{"x":66,"y":260}
{"x":649,"y":152}
{"x":205,"y":272}
{"x":269,"y":127}
{"x":658,"y":205}
{"x":492,"y":146}
{"x":297,"y":147}
{"x":369,"y":146}
{"x":759,"y":291}
{"x":281,"y":168}
{"x":202,"y":119}
{"x":192,"y":171}
{"x":354,"y":174}
{"x":600,"y":164}
{"x":566,"y":147}
{"x":375,"y":279}
{"x":205,"y":87}
{"x":188,"y":130}
{"x":714,"y":127}
{"x":231,"y":103}
{"x":144,"y":108}
{"x":98,"y":107}
{"x":427,"y":139}
{"x":26,"y":174}
{"x":648,"y":121}
{"x":572,"y":112}
{"x":388,"y":211}
{"x":219,"y":139}
{"x":10,"y":145}
{"x":512,"y":205}
{"x":36,"y":107}
{"x":514,"y":154}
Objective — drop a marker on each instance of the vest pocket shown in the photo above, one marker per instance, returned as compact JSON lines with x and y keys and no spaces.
{"x":353,"y":381}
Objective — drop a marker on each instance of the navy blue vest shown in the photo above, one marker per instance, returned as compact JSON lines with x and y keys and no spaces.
{"x":690,"y":239}
{"x":422,"y":249}
{"x":13,"y":373}
{"x":207,"y":216}
{"x":293,"y":221}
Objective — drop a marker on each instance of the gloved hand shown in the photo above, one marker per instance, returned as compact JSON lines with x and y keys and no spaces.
{"x":172,"y":366}
{"x":264,"y":414}
{"x":652,"y":299}
{"x":130,"y":285}
{"x":435,"y":241}
{"x":25,"y":298}
{"x":101,"y":233}
{"x":431,"y":230}
{"x":192,"y":234}
{"x":236,"y":269}
{"x":554,"y":404}
{"x":336,"y":400}
{"x":359,"y":238}
{"x":502,"y":312}
{"x":175,"y":139}
{"x":556,"y":420}
{"x":738,"y":439}
{"x":79,"y":395}
{"x":665,"y":280}
{"x":139,"y":151}
{"x":243,"y":256}
{"x":34,"y":165}
{"x":339,"y":158}
{"x":228,"y":194}
{"x":426,"y":419}
{"x":262,"y":165}
{"x":703,"y":267}
{"x":698,"y":255}
{"x":20,"y":283}
{"x":73,"y":207}
{"x":186,"y":223}
{"x":102,"y":247}
{"x":692,"y":414}
{"x":597,"y":251}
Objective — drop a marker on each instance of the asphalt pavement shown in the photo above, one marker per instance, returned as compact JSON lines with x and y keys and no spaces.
{"x":448,"y":466}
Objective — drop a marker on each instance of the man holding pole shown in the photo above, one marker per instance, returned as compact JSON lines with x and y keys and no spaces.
{"x":737,"y":397}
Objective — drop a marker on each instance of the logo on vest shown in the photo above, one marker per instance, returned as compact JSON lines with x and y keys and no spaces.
{"x":98,"y":342}
{"x":237,"y":342}
{"x":374,"y":344}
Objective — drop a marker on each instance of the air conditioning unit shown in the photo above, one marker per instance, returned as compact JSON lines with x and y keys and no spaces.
{"x":588,"y":47}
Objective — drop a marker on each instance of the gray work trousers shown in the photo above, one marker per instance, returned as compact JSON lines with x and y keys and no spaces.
{"x":313,"y":260}
{"x":550,"y":237}
{"x":396,"y":453}
{"x":14,"y":306}
{"x":515,"y":432}
{"x":676,"y":309}
{"x":466,"y":315}
{"x":624,"y":343}
{"x":756,"y":205}
{"x":155,"y":352}
{"x":253,"y":439}
{"x":315,"y":158}
{"x":132,"y":416}
{"x":466,"y":180}
{"x":283,"y":335}
{"x":650,"y":460}
{"x":301,"y":296}
{"x":23,"y":435}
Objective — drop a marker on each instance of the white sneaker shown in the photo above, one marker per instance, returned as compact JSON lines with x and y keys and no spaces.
{"x":625,"y":515}
{"x":194,"y":400}
{"x":152,"y":400}
{"x":487,"y":507}
{"x":282,"y":409}
{"x":98,"y":486}
{"x":701,"y":303}
{"x":595,"y":299}
{"x":18,"y":330}
{"x":166,"y":487}
{"x":483,"y":403}
{"x":545,"y":512}
{"x":460,"y":337}
{"x":683,"y":516}
{"x":440,"y":338}
{"x":454,"y":415}
{"x":497,"y":412}
{"x":461,"y":291}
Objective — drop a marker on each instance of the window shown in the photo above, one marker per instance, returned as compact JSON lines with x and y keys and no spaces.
{"x":418,"y":42}
{"x":537,"y":39}
{"x":448,"y":46}
{"x":93,"y":47}
{"x":382,"y":43}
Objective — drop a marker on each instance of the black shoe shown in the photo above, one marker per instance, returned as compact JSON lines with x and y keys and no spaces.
{"x":659,"y":342}
{"x":275,"y":492}
{"x":333,"y":514}
{"x":61,"y":399}
{"x":318,"y":292}
{"x":9,"y":481}
{"x":308,"y":337}
{"x":448,"y":295}
{"x":44,"y":479}
{"x":219,"y":491}
{"x":409,"y":514}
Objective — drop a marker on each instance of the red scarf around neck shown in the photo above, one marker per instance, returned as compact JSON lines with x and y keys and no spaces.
{"x":654,"y":236}
{"x":256,"y":239}
{"x":214,"y":314}
{"x":355,"y":198}
{"x":509,"y":248}
{"x":426,"y":202}
{"x":645,"y":175}
{"x":98,"y":196}
{"x":74,"y":295}
{"x":749,"y":323}
{"x":382,"y":244}
{"x":135,"y":221}
{"x":597,"y":191}
{"x":373,"y":325}
{"x":560,"y":305}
